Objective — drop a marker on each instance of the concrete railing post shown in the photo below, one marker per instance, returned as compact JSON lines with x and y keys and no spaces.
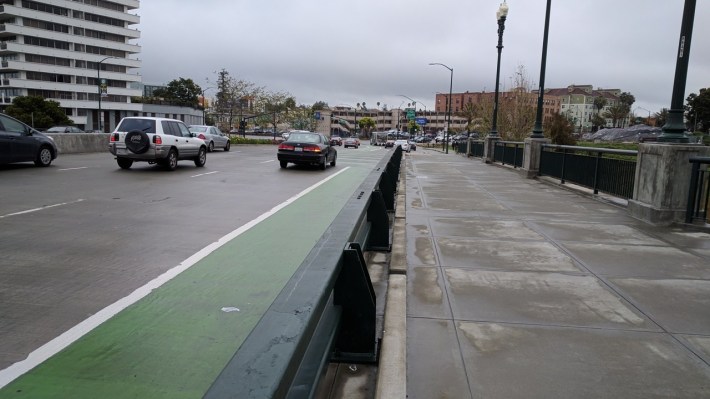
{"x":531,"y":156}
{"x":489,"y":148}
{"x":662,"y":182}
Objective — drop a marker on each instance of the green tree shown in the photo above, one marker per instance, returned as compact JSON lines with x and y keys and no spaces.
{"x":366,"y":124}
{"x":182,"y":92}
{"x":697,"y":110}
{"x":301,"y":118}
{"x":469,"y":112}
{"x":597,"y":120}
{"x":661,"y":117}
{"x":560,"y":130}
{"x":236,"y":98}
{"x":626,"y":100}
{"x":38,"y":112}
{"x":275,"y":108}
{"x":617,"y":113}
{"x":319,"y":106}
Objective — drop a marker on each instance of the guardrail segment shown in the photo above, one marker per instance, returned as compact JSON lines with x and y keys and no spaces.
{"x":326,"y":312}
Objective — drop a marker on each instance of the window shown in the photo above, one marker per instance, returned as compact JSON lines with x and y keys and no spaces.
{"x":183,"y":129}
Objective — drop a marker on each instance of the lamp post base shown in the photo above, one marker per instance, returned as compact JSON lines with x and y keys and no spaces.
{"x":674,"y":130}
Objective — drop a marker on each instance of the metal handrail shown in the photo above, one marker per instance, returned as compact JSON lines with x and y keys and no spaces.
{"x":326,"y":312}
{"x":507,"y":144}
{"x":698,"y":190}
{"x":592,"y":149}
{"x":597,"y":163}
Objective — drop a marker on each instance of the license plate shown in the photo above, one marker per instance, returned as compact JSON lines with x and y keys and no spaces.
{"x":298,"y":149}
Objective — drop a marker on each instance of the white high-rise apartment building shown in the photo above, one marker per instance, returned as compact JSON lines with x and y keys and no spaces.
{"x":70,"y":51}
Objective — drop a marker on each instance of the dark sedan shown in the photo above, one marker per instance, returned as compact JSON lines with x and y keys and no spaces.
{"x":21,"y":143}
{"x":307,"y":148}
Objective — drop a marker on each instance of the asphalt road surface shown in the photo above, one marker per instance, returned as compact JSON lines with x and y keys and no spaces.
{"x":82,"y":234}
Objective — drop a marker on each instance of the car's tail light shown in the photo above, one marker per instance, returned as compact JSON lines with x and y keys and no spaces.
{"x":311,"y":148}
{"x":114,"y":137}
{"x":157,"y":139}
{"x":283,"y":146}
{"x":201,"y":136}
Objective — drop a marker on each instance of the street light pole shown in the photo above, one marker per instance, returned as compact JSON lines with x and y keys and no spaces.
{"x":448,"y":111}
{"x":98,"y":77}
{"x":204,"y":121}
{"x":537,"y":130}
{"x":500,"y":15}
{"x":674,"y":129}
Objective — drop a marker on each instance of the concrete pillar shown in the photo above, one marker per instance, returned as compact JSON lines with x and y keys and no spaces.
{"x":531,"y":156}
{"x":662,"y":182}
{"x":489,"y":148}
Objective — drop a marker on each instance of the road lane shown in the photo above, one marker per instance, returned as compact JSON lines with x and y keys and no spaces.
{"x":64,"y":264}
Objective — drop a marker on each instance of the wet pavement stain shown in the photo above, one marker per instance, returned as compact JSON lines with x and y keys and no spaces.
{"x":426,"y":285}
{"x":421,"y":229}
{"x":424,"y":251}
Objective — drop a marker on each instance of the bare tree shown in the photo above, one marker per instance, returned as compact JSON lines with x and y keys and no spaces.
{"x":516,"y":114}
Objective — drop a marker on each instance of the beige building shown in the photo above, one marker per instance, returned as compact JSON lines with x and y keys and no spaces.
{"x":342,"y":120}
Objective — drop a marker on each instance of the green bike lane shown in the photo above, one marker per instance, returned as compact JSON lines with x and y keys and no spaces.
{"x":173,"y":342}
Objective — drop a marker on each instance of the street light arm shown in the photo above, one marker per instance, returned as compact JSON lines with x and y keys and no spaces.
{"x":437,"y":63}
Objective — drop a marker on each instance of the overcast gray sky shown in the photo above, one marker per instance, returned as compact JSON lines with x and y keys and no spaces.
{"x":372,"y":51}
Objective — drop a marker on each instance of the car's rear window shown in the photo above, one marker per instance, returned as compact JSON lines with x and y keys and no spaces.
{"x":304,"y":138}
{"x":198,"y":129}
{"x":129,"y":124}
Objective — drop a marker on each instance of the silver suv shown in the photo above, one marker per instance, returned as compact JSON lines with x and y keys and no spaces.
{"x":155,"y":140}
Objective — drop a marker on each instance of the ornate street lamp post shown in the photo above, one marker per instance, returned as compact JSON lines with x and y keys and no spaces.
{"x":448,"y":110}
{"x":674,"y":129}
{"x":537,"y":130}
{"x":501,"y":14}
{"x":100,"y":91}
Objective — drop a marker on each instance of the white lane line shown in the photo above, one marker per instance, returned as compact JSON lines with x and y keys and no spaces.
{"x":52,"y":347}
{"x":272,"y":160}
{"x":40,"y":208}
{"x":83,"y":167}
{"x":205,"y":174}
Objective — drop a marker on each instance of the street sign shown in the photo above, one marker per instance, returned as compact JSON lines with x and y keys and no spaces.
{"x":421,"y":121}
{"x":411,"y":113}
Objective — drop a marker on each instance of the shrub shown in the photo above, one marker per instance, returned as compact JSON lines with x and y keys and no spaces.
{"x":242,"y":140}
{"x":560,"y":131}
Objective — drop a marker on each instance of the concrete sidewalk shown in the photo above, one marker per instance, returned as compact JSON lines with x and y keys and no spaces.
{"x":520,"y":289}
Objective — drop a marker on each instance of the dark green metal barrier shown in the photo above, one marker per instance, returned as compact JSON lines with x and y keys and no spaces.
{"x":699,"y":190}
{"x":601,"y":169}
{"x":509,"y":153}
{"x":326,"y":312}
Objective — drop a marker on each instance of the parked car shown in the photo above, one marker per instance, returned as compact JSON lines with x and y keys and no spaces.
{"x":351,"y":142}
{"x":389,"y":143}
{"x":412,"y":145}
{"x":212,"y":136}
{"x":307,"y":148}
{"x":21,"y":143}
{"x":159,"y":141}
{"x":64,"y":129}
{"x":335,"y":140}
{"x":402,"y":143}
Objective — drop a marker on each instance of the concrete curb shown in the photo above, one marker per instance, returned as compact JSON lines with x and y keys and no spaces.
{"x":392,"y":370}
